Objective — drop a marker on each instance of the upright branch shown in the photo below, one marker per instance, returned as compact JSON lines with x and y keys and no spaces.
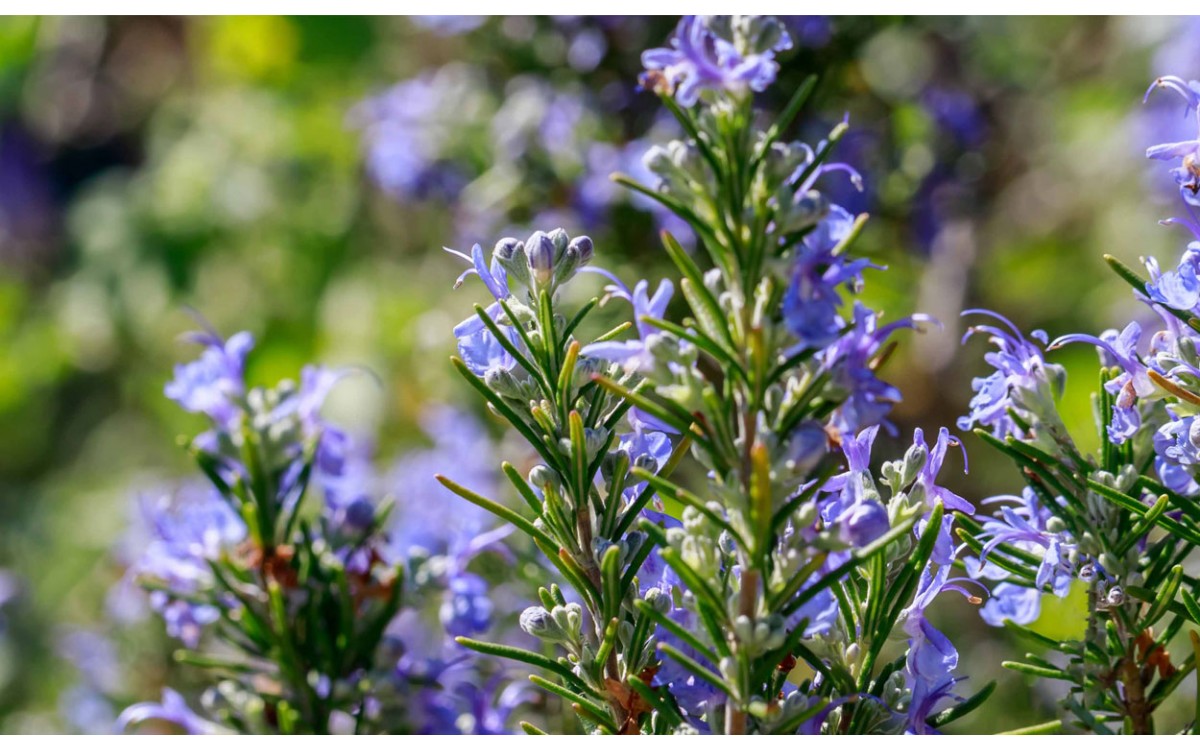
{"x":1119,"y":523}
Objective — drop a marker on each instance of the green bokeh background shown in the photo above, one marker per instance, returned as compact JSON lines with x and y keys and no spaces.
{"x":207,"y":163}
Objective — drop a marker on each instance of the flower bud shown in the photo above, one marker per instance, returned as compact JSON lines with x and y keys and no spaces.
{"x":1194,"y":433}
{"x":540,"y":250}
{"x":542,"y":475}
{"x":1087,"y":573}
{"x":359,"y":515}
{"x":658,"y":160}
{"x":582,"y":249}
{"x":865,"y":522}
{"x":560,"y":625}
{"x":506,"y":248}
{"x":502,"y":381}
{"x":914,"y":460}
{"x":659,"y":600}
{"x":510,"y":254}
{"x":537,"y":622}
{"x":1110,"y":563}
{"x":1115,"y":597}
{"x":560,"y":238}
{"x":1187,"y":348}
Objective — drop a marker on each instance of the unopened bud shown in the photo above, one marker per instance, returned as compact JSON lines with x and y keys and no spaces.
{"x":1116,"y":597}
{"x":540,"y":250}
{"x":582,"y":249}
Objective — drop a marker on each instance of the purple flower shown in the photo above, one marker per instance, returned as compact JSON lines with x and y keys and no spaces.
{"x":647,"y":448}
{"x":1011,"y":602}
{"x":183,"y":531}
{"x":850,"y":360}
{"x":811,"y":302}
{"x":1026,"y":525}
{"x":211,"y":384}
{"x":1187,"y":175}
{"x":405,"y":131}
{"x":925,"y":698}
{"x":931,"y":656}
{"x":1178,"y":289}
{"x":635,"y":355}
{"x":480,"y":350}
{"x":718,"y":53}
{"x":1176,"y":477}
{"x":927,"y":477}
{"x":855,"y":507}
{"x":1178,"y":442}
{"x":1018,"y":382}
{"x":693,"y":694}
{"x":466,"y":608}
{"x":1129,"y":386}
{"x":173,"y":709}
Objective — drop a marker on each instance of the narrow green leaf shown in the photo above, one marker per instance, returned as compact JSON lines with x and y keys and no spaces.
{"x":789,"y":113}
{"x":513,"y":350}
{"x":697,"y":669}
{"x":1139,"y":508}
{"x":1130,"y":276}
{"x":497,"y":401}
{"x":859,"y":556}
{"x":1049,"y":727}
{"x":705,"y":302}
{"x":670,"y":413}
{"x":573,"y":697}
{"x":1037,"y":671}
{"x":643,"y":499}
{"x":530,"y":729}
{"x":497,"y":509}
{"x":1163,"y":599}
{"x":674,"y":492}
{"x":676,"y":629}
{"x":523,"y":489}
{"x":523,"y":656}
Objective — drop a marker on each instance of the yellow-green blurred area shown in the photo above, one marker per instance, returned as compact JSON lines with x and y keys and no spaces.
{"x":151,"y":166}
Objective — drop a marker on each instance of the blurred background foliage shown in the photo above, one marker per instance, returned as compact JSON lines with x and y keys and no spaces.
{"x":232,"y":166}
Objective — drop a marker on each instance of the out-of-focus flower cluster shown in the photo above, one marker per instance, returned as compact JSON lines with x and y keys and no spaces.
{"x":357,"y":596}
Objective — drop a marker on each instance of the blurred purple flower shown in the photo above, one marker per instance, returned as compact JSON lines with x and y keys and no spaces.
{"x":1009,"y":601}
{"x":719,"y":53}
{"x":181,"y":531}
{"x":173,"y":709}
{"x":404,"y":131}
{"x":448,"y":25}
{"x":956,"y":112}
{"x":210,"y":384}
{"x":1187,"y":174}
